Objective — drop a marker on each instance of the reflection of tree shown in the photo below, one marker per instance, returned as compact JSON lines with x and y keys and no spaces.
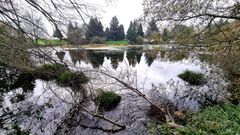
{"x":96,"y":58}
{"x":150,"y":57}
{"x":60,"y":55}
{"x":134,"y":57}
{"x":78,"y":55}
{"x":177,"y":55}
{"x":115,"y":57}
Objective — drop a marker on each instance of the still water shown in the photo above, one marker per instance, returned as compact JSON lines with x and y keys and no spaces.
{"x":154,"y":71}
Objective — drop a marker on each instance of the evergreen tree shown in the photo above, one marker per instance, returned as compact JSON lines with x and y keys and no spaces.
{"x":121,"y":33}
{"x":152,"y":27}
{"x":107,"y":34}
{"x":140,"y":30}
{"x":57,"y":33}
{"x":114,"y":27}
{"x":94,"y":28}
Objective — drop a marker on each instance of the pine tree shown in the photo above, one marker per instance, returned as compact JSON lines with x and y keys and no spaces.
{"x":114,"y":25}
{"x":107,"y":33}
{"x":121,"y":33}
{"x":152,"y":27}
{"x":95,"y":28}
{"x":57,"y":33}
{"x":140,"y":30}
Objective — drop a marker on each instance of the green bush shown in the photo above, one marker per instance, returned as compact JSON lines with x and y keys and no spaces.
{"x":108,"y":100}
{"x":220,"y":119}
{"x":193,"y":78}
{"x":71,"y":79}
{"x":49,"y":72}
{"x":97,"y":40}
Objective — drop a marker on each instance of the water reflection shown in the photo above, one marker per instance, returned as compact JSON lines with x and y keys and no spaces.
{"x":97,"y":58}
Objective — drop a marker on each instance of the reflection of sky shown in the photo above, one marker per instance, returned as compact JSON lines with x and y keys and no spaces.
{"x":158,"y":72}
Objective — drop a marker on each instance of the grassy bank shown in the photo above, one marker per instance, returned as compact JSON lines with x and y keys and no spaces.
{"x":122,"y":42}
{"x":46,"y":42}
{"x":220,"y":119}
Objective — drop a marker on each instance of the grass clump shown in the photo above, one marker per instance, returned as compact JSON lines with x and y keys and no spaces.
{"x":108,"y":100}
{"x":49,"y":72}
{"x":68,"y":78}
{"x":193,"y":78}
{"x":220,"y":119}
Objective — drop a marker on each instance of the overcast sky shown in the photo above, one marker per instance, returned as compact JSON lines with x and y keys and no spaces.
{"x":125,"y":10}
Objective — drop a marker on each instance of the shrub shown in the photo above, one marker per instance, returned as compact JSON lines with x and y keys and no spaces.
{"x":193,"y":78}
{"x":49,"y":72}
{"x":97,"y":40}
{"x":220,"y":119}
{"x":108,"y":100}
{"x":139,"y":40}
{"x":71,"y":79}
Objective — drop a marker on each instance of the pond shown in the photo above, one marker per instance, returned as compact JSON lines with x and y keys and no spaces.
{"x":153,"y":70}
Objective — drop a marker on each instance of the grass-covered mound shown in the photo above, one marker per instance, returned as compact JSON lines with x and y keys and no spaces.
{"x":220,"y":119}
{"x":192,"y":77}
{"x":108,"y":100}
{"x":69,"y":78}
{"x":49,"y":71}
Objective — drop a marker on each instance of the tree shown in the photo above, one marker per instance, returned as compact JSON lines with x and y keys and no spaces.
{"x":70,"y":29}
{"x":94,"y":28}
{"x":107,"y":34}
{"x":140,"y":30}
{"x":57,"y":33}
{"x":121,"y":33}
{"x":152,"y":27}
{"x":135,"y":30}
{"x":201,"y":14}
{"x":114,"y":28}
{"x":76,"y":34}
{"x":182,"y":33}
{"x":166,"y":35}
{"x":131,"y":33}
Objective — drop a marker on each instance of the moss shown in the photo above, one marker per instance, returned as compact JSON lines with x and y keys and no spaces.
{"x":49,"y":72}
{"x":108,"y":100}
{"x":68,"y":78}
{"x":193,"y":78}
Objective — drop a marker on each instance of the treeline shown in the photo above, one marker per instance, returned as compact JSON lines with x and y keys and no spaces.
{"x":94,"y":32}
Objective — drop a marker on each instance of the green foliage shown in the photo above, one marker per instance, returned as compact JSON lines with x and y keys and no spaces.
{"x":166,"y":35}
{"x":16,"y":130}
{"x":57,"y":33}
{"x":121,"y":42}
{"x":108,"y":100}
{"x":220,"y":119}
{"x":71,"y":79}
{"x":116,"y":32}
{"x":182,"y":33}
{"x":152,"y":27}
{"x":135,"y":30}
{"x":94,"y":28}
{"x":49,"y":72}
{"x":193,"y":78}
{"x":44,"y":42}
{"x":97,"y":40}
